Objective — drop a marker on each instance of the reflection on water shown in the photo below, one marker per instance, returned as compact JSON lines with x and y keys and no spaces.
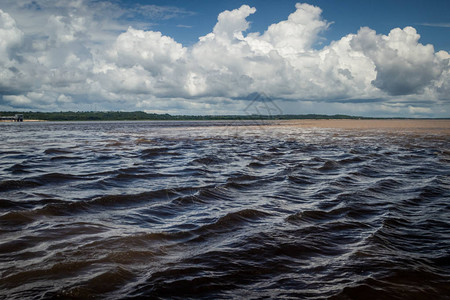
{"x":222,"y":210}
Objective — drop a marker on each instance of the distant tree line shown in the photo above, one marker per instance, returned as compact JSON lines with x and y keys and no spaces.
{"x":143,"y":116}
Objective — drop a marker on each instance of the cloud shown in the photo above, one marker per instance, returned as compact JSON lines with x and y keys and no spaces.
{"x":10,"y":36}
{"x":159,"y":12}
{"x":403,"y":65}
{"x":231,"y":24}
{"x":149,"y":49}
{"x":298,"y":33}
{"x":80,"y":53}
{"x":20,"y":101}
{"x":443,"y":25}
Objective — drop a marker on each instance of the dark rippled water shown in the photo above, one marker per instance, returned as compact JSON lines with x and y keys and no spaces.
{"x":216,"y":210}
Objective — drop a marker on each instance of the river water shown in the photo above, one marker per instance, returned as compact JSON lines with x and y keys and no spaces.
{"x":220,"y":210}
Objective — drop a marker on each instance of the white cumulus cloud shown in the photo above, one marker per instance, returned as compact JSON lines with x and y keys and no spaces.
{"x":403,"y":65}
{"x":82,"y":57}
{"x":10,"y":36}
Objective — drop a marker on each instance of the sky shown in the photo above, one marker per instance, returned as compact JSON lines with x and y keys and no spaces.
{"x":367,"y":58}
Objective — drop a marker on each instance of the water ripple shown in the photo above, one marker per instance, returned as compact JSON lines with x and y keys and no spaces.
{"x":220,"y":210}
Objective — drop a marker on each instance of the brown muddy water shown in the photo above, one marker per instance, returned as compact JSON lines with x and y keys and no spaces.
{"x":225,"y":210}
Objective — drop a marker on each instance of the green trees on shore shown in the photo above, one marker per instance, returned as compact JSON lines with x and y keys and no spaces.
{"x":142,"y":116}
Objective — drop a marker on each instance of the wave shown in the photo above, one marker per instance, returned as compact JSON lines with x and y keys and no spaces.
{"x":134,"y":210}
{"x":8,"y":185}
{"x":158,"y":151}
{"x":230,"y":220}
{"x":403,"y":284}
{"x":58,"y":151}
{"x":208,"y":160}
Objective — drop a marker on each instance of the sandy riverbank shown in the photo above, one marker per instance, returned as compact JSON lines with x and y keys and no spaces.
{"x":435,"y":126}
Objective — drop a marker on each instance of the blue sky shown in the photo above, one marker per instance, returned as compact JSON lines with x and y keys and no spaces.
{"x":370,"y":58}
{"x":430,"y":18}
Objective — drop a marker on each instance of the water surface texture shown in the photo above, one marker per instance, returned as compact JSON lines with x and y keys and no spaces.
{"x":220,"y":210}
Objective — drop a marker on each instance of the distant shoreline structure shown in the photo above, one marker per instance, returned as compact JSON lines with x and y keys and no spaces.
{"x":25,"y":121}
{"x":15,"y":118}
{"x":143,"y":116}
